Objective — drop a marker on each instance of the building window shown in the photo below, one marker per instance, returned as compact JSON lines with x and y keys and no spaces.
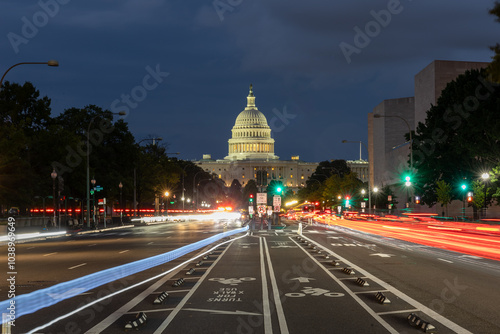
{"x":302,"y":177}
{"x":291,"y":176}
{"x":242,"y":176}
{"x":220,"y":176}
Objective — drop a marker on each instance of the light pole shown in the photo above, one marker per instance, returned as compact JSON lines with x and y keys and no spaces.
{"x":121,"y":203}
{"x":464,"y":187}
{"x":375,"y":191}
{"x":485,"y":177}
{"x":53,"y":63}
{"x":409,"y":131}
{"x":121,"y":113}
{"x":53,"y":175}
{"x":369,"y":182}
{"x":93,"y":199}
{"x":166,"y":203}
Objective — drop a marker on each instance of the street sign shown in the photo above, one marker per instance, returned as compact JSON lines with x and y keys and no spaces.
{"x":269,"y":210}
{"x":261,"y":198}
{"x":101,"y":201}
{"x":277,"y":200}
{"x":250,"y":209}
{"x":98,"y":188}
{"x":261,"y":209}
{"x":277,"y":208}
{"x":389,"y":198}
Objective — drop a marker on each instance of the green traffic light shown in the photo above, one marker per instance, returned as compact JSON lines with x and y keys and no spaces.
{"x":278,"y":189}
{"x":464,"y":186}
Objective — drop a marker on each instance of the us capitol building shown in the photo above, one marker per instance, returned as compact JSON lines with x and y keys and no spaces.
{"x":251,"y":155}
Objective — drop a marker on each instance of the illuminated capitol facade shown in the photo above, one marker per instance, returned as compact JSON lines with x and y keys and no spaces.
{"x":251,"y":154}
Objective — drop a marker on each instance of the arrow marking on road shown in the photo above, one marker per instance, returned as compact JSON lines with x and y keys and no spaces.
{"x":221,"y":312}
{"x":303,"y":279}
{"x":382,"y":255}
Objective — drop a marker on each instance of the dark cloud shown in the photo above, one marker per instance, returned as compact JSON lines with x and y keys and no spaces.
{"x":289,"y":50}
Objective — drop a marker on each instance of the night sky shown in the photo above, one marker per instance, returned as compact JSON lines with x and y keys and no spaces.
{"x":182,"y":68}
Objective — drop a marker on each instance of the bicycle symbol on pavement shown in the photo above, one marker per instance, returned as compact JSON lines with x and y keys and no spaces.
{"x":314,"y":292}
{"x":232,"y":281}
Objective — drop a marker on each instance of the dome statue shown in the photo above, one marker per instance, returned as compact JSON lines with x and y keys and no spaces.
{"x":251,"y":135}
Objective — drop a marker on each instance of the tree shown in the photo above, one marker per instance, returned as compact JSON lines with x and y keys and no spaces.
{"x":24,"y":120}
{"x":460,"y":135}
{"x":443,"y":194}
{"x":235,"y":194}
{"x":494,"y":67}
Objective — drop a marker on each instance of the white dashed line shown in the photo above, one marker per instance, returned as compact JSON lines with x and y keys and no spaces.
{"x":50,"y":254}
{"x":81,"y":264}
{"x":124,"y":251}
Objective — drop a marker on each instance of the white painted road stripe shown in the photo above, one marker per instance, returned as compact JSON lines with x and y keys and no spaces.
{"x":81,"y":264}
{"x":124,"y":251}
{"x":444,"y":260}
{"x":92,"y":245}
{"x":276,"y":294}
{"x":268,"y":329}
{"x":50,"y":254}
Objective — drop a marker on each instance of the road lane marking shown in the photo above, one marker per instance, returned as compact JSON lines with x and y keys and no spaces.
{"x":149,"y":243}
{"x":400,"y":311}
{"x":91,"y":245}
{"x":50,"y":254}
{"x":123,"y":251}
{"x":431,"y":313}
{"x":81,"y":264}
{"x":276,"y":294}
{"x":268,"y":329}
{"x":440,"y":259}
{"x":222,"y":312}
{"x":30,"y":247}
{"x":148,"y":311}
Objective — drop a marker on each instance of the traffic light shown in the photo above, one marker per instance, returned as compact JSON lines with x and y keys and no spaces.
{"x":347,"y":198}
{"x":417,"y":200}
{"x":250,"y":199}
{"x":469,"y":196}
{"x":407,"y":181}
{"x":463,"y":186}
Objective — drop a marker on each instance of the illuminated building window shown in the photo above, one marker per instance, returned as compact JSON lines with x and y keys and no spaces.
{"x":242,"y":176}
{"x":291,"y":176}
{"x":302,"y":177}
{"x":220,"y":176}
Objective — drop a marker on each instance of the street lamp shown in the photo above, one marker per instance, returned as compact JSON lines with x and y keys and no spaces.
{"x":375,"y":191}
{"x":485,"y":177}
{"x":409,"y":131}
{"x":53,"y":63}
{"x":121,"y":203}
{"x":369,"y":181}
{"x":53,"y":175}
{"x":121,"y":113}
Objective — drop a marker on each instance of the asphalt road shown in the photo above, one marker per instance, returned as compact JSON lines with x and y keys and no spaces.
{"x":273,"y":282}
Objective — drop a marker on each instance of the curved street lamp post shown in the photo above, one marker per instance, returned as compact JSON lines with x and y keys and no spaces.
{"x":53,"y":63}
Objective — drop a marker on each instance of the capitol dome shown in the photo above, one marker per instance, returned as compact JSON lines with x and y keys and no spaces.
{"x":251,"y":135}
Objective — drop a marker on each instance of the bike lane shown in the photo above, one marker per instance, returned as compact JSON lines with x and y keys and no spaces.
{"x":312,"y":300}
